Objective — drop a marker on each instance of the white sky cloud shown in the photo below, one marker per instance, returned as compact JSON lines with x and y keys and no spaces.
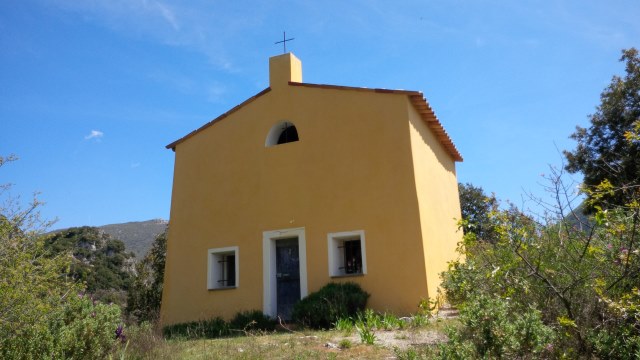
{"x":203,"y":26}
{"x":168,"y":15}
{"x":94,"y":134}
{"x":215,"y":92}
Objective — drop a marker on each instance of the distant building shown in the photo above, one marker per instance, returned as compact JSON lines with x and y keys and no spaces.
{"x":304,"y":184}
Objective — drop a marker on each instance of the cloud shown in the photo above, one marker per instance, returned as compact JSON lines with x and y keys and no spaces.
{"x":215,"y":92}
{"x":168,"y":15}
{"x":126,"y":15}
{"x":95,"y":134}
{"x":204,"y":27}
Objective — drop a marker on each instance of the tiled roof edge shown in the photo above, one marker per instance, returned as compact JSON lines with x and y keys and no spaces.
{"x":234,"y":109}
{"x":419,"y":103}
{"x":429,"y":117}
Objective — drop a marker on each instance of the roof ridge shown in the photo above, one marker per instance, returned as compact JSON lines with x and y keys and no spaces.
{"x":224,"y":115}
{"x":416,"y":98}
{"x":356,"y":88}
{"x":418,"y":101}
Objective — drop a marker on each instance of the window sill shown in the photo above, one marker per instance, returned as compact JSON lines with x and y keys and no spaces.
{"x":347,"y":275}
{"x":223,"y":288}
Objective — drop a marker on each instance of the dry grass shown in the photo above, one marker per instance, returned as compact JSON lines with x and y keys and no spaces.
{"x":305,"y":344}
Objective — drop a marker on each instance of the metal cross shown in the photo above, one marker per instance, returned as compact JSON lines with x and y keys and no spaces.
{"x":284,"y":42}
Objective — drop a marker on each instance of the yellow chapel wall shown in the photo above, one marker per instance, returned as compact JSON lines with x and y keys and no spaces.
{"x":438,"y":199}
{"x":351,"y":170}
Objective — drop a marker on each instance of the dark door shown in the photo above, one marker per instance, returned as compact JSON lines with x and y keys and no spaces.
{"x":287,"y":276}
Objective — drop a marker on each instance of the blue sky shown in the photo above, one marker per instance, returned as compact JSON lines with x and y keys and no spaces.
{"x":91,"y":91}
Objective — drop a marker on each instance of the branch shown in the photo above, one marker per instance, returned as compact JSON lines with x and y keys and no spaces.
{"x":537,"y":274}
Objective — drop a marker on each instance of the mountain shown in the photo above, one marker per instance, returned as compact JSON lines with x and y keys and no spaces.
{"x":100,"y":261}
{"x":137,"y":236}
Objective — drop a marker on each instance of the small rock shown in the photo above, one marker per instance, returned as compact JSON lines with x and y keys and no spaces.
{"x":331,"y":345}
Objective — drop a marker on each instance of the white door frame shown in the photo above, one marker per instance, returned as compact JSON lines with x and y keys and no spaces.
{"x":269,"y":297}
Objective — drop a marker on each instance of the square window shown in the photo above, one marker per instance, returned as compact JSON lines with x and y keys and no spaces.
{"x":347,"y":254}
{"x":223,"y":268}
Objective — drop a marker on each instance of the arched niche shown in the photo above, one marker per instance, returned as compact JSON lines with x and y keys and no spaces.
{"x":282,"y":133}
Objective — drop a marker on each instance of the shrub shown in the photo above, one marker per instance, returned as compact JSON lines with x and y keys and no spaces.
{"x":41,"y":314}
{"x":143,"y":342}
{"x":344,"y":324}
{"x":217,"y":327}
{"x":619,"y":339}
{"x":77,"y":329}
{"x":86,"y":329}
{"x":367,"y":335}
{"x":370,"y":319}
{"x":406,"y":354}
{"x":211,"y":328}
{"x":252,"y":320}
{"x":492,"y":328}
{"x":419,"y":320}
{"x":334,"y":301}
{"x":390,"y":321}
{"x":579,"y":271}
{"x":345,"y":344}
{"x":617,"y":344}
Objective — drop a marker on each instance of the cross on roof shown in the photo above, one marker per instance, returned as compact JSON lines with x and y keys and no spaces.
{"x":284,"y":42}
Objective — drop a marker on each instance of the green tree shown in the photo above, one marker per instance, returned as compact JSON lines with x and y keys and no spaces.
{"x":476,"y":207}
{"x":610,"y":148}
{"x":145,"y":294}
{"x":579,"y":280}
{"x":43,"y":312}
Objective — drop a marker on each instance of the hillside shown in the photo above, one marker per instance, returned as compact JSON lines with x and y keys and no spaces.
{"x":100,"y":261}
{"x":137,"y":236}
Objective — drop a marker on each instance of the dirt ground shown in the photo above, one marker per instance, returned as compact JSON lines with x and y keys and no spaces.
{"x":398,"y":338}
{"x":405,"y":338}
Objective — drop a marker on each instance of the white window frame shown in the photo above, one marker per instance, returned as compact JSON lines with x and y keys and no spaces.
{"x":213,"y":268}
{"x":336,"y":254}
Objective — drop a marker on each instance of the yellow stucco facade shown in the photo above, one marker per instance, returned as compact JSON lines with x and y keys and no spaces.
{"x":372,"y":165}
